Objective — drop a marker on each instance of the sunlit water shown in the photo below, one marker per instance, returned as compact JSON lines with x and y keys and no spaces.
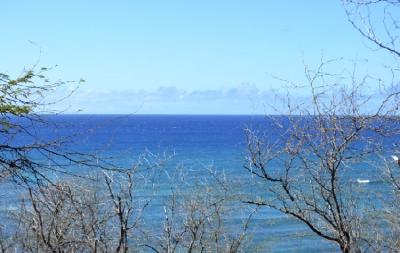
{"x":195,"y":142}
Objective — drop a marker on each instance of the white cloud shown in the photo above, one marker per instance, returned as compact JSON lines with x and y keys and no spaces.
{"x":243,"y":99}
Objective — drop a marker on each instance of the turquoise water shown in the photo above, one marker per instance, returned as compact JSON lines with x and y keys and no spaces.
{"x":195,"y":142}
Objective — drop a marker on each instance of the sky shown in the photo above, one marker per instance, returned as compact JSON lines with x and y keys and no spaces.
{"x":176,"y":57}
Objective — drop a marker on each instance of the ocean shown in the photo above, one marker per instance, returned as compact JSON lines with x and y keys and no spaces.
{"x":193,"y":142}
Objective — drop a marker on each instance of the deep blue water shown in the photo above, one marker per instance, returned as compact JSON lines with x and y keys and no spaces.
{"x":195,"y":142}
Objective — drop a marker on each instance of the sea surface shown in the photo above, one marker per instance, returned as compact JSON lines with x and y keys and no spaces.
{"x":193,"y":142}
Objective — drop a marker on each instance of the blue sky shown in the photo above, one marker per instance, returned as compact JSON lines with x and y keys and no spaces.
{"x":191,"y":57}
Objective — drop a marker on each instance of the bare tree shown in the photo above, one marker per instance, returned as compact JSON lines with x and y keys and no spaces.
{"x":384,"y":219}
{"x":107,"y":212}
{"x":196,"y":217}
{"x":310,"y":169}
{"x":94,"y":214}
{"x":378,"y":21}
{"x":335,"y":125}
